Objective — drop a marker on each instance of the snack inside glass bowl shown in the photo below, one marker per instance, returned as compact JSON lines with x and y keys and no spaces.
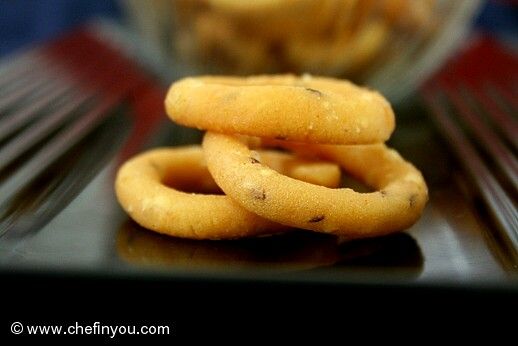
{"x":390,"y":45}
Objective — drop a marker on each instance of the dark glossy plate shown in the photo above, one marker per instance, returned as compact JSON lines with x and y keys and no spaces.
{"x":451,"y":244}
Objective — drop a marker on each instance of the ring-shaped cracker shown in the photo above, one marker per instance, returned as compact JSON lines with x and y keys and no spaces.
{"x":145,"y":189}
{"x":398,"y":202}
{"x":306,"y":109}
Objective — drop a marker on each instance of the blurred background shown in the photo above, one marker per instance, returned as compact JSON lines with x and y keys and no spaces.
{"x":391,"y":45}
{"x":29,"y":21}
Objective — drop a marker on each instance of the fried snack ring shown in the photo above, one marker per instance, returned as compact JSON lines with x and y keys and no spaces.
{"x":218,"y":45}
{"x":398,"y":203}
{"x":142,"y":192}
{"x":248,"y":6}
{"x":342,"y":54}
{"x":419,"y":15}
{"x":306,"y":109}
{"x":279,"y":21}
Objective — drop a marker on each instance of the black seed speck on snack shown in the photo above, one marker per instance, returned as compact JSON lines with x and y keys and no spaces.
{"x":154,"y":165}
{"x":259,"y":194}
{"x":412,"y":200}
{"x":314,"y":91}
{"x":252,"y":160}
{"x":383,"y":193}
{"x":281,"y":138}
{"x":317,"y":218}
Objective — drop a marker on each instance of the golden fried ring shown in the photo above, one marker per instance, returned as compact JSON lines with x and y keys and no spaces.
{"x":340,"y":55}
{"x":141,"y":188}
{"x":278,"y":22}
{"x":398,"y":202}
{"x":306,"y":109}
{"x":219,"y":46}
{"x":248,"y":7}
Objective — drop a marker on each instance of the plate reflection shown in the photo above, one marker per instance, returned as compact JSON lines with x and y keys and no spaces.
{"x":293,"y":251}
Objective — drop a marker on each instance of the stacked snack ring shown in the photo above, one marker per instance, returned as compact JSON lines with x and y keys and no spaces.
{"x":395,"y":205}
{"x":330,"y":119}
{"x":146,"y":187}
{"x":306,"y":109}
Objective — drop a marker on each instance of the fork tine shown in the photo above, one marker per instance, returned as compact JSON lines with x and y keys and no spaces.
{"x":40,"y":129}
{"x":498,"y":115}
{"x":22,"y":116}
{"x":61,"y":143}
{"x":22,"y":63}
{"x":115,"y":86}
{"x":503,"y":157}
{"x":69,"y":80}
{"x":34,"y":59}
{"x":508,"y":95}
{"x":500,"y":204}
{"x":10,"y":62}
{"x":54,"y":124}
{"x":17,"y":69}
{"x":34,"y":86}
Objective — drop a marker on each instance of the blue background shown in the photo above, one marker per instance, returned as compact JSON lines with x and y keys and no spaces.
{"x":24,"y":22}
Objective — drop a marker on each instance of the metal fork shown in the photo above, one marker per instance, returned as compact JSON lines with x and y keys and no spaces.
{"x":473,"y":100}
{"x":51,"y":97}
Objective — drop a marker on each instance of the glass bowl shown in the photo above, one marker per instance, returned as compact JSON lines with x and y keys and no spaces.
{"x":389,"y":45}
